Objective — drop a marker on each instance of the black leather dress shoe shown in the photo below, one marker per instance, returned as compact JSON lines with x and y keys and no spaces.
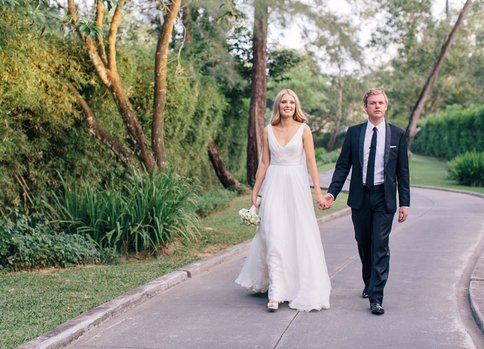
{"x":365,"y":294}
{"x":377,"y":309}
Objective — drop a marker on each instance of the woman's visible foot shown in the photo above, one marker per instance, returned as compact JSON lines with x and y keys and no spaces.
{"x":272,"y":306}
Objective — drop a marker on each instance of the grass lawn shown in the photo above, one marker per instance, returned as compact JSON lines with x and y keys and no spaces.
{"x":430,"y":171}
{"x":35,"y":302}
{"x":325,"y":167}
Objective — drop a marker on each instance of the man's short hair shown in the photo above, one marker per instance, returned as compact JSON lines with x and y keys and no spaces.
{"x":373,"y":92}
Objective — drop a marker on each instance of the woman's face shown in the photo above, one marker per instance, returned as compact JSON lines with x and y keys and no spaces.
{"x":287,"y":106}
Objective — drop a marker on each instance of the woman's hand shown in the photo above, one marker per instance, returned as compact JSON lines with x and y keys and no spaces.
{"x":320,"y":201}
{"x":324,"y":202}
{"x":256,"y":200}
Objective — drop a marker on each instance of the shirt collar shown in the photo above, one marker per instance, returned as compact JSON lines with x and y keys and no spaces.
{"x":380,"y":127}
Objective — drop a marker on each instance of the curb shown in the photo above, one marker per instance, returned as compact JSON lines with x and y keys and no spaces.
{"x":76,"y":327}
{"x":337,"y":214}
{"x":476,"y":293}
{"x":471,"y":193}
{"x":69,"y":331}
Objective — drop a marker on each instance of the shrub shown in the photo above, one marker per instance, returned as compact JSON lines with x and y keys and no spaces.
{"x":213,"y":200}
{"x":27,"y":242}
{"x":322,"y":140}
{"x":323,"y":157}
{"x":453,"y":133}
{"x":468,"y":169}
{"x":145,"y":213}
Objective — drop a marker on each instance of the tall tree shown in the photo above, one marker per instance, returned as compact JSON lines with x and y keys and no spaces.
{"x":103,"y":57}
{"x":434,"y":74}
{"x":161,"y":66}
{"x":258,"y":90}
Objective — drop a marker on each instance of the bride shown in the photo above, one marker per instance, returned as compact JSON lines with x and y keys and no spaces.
{"x":286,"y":257}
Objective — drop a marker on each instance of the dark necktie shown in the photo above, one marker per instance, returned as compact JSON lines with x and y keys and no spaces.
{"x":370,"y":171}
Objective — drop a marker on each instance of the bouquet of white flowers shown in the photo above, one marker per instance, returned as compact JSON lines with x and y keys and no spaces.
{"x":249,"y":216}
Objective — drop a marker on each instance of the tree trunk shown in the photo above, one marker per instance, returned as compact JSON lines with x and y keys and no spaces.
{"x":126,"y":157}
{"x":417,"y":110}
{"x":447,"y":15}
{"x":225,"y":177}
{"x":258,"y":90}
{"x":187,"y":29}
{"x":106,"y":68}
{"x":132,"y":123}
{"x":339,"y":116}
{"x":161,"y":67}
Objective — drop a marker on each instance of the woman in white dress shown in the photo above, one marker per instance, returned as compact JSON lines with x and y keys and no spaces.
{"x":286,"y":257}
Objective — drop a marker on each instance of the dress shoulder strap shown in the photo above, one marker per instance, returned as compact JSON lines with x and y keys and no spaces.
{"x":301,"y":128}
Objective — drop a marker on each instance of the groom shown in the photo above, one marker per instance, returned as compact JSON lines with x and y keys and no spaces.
{"x":376,"y":151}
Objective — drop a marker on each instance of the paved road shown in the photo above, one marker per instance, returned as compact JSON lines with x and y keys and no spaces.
{"x":425,"y":302}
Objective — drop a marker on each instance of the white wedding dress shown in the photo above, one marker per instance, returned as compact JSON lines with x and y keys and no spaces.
{"x":286,"y":256}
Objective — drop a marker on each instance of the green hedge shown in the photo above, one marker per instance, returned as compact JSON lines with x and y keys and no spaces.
{"x":453,"y":133}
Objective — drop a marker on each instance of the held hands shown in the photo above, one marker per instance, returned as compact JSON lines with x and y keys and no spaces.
{"x":324,"y":202}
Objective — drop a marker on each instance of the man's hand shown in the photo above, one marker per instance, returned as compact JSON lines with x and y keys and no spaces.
{"x":326,"y":202}
{"x":402,"y":214}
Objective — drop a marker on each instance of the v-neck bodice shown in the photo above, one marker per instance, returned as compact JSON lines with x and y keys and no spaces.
{"x":292,"y":153}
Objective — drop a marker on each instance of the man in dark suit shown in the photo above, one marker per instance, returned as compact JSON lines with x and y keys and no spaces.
{"x":376,"y":151}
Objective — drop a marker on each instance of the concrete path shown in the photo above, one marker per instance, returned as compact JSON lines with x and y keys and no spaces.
{"x":426,"y":298}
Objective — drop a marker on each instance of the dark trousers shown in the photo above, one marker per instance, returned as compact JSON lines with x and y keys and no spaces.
{"x":372,"y":225}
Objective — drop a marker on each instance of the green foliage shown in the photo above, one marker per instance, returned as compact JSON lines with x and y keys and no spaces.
{"x":213,"y":200}
{"x":231,"y":139}
{"x":41,"y":130}
{"x":280,"y":61}
{"x":455,"y":132}
{"x":42,"y":119}
{"x":194,"y":109}
{"x":419,"y":38}
{"x":322,"y":140}
{"x":468,"y":169}
{"x":28,"y":242}
{"x":308,"y":83}
{"x":147,"y":212}
{"x":323,"y":157}
{"x":194,"y":113}
{"x":220,"y":89}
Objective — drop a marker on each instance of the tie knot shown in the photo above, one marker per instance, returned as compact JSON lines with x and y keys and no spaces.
{"x":374,"y":129}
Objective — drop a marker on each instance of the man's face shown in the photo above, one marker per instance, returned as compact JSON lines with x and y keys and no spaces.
{"x":376,"y":107}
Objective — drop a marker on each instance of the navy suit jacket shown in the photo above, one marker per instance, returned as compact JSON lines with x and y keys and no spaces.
{"x":396,"y":172}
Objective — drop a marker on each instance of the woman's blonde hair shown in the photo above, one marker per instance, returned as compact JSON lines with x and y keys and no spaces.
{"x":298,"y":113}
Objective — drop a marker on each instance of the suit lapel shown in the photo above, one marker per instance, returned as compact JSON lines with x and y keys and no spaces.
{"x":361,"y":142}
{"x":388,"y":138}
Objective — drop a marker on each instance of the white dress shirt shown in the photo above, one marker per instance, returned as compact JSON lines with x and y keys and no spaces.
{"x":380,"y":151}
